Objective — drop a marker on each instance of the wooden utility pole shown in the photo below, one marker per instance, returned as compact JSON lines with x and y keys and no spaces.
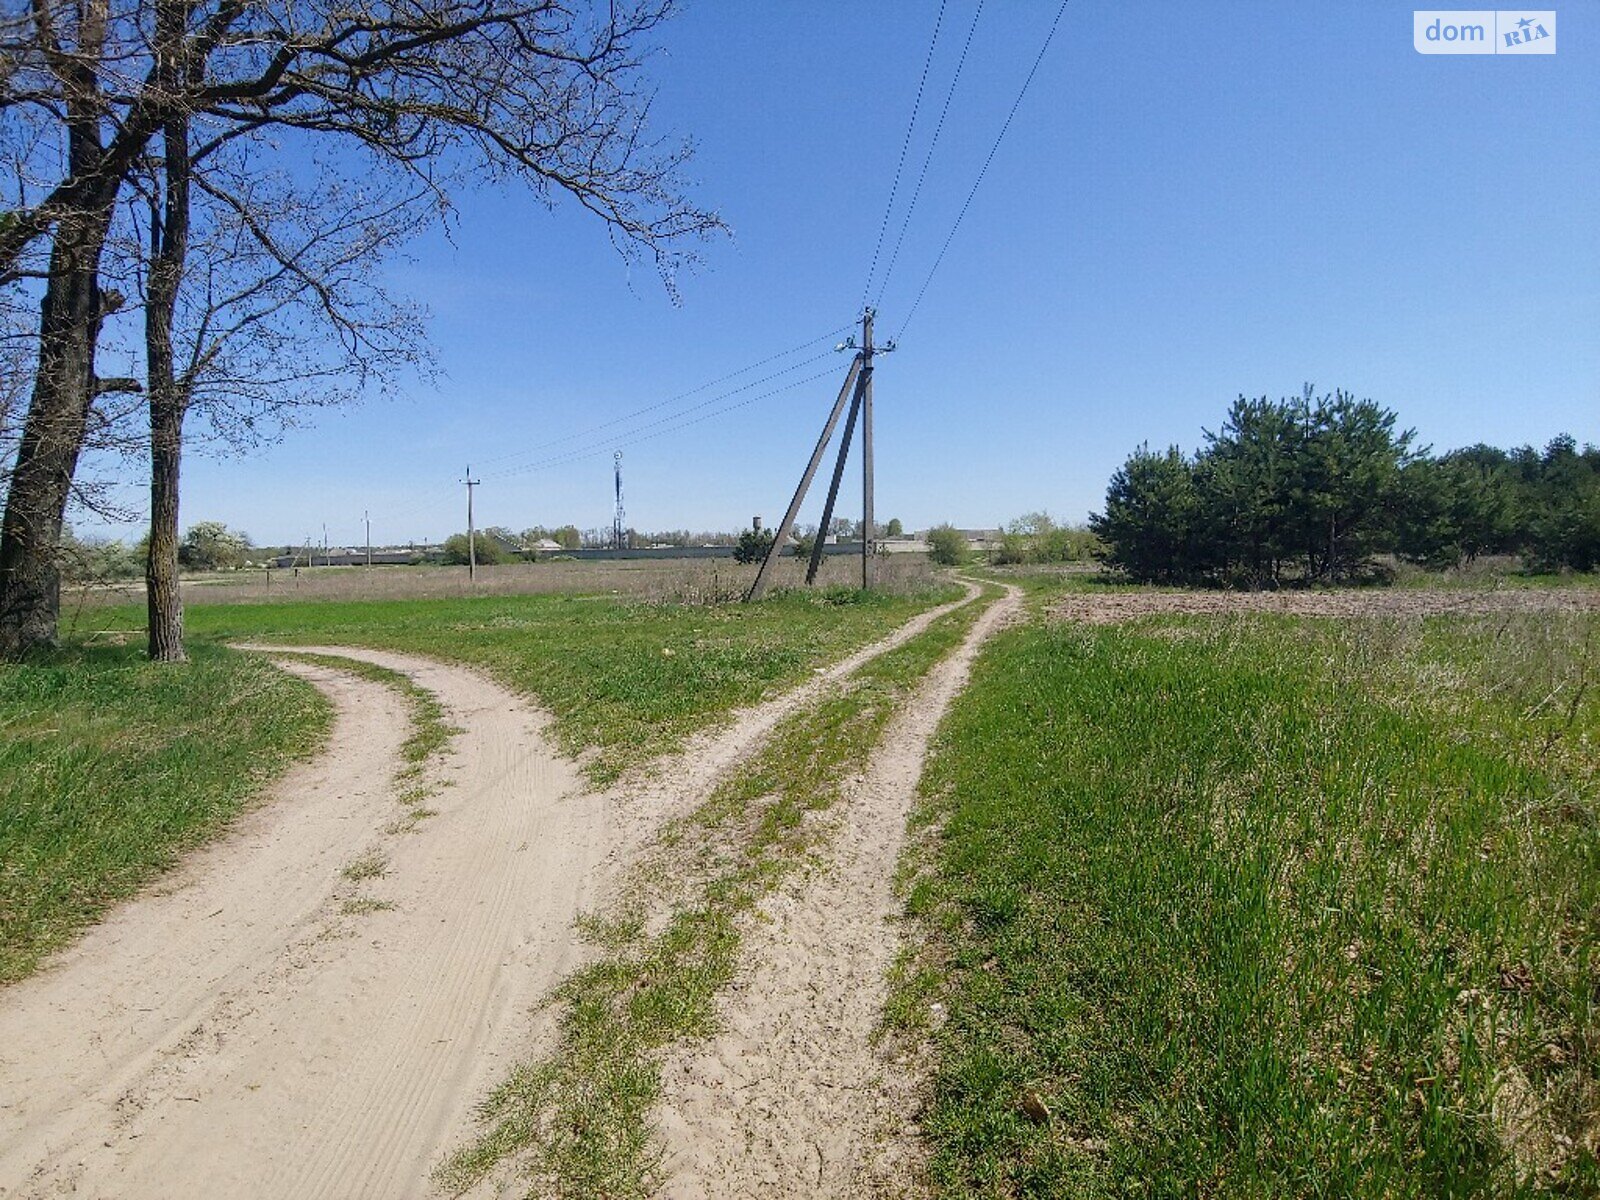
{"x":472,"y":531}
{"x":366,"y":519}
{"x":867,"y":525}
{"x":759,"y":587}
{"x":819,"y":548}
{"x":858,"y":389}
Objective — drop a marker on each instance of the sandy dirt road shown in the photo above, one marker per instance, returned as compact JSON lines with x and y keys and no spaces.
{"x":792,"y":1098}
{"x":238,"y":1032}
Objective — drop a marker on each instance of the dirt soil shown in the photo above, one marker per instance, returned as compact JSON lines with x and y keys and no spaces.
{"x":1109,"y":607}
{"x":261,"y":1025}
{"x":237,"y":1032}
{"x":792,"y":1097}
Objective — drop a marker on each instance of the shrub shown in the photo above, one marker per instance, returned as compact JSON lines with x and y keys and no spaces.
{"x":753,"y":545}
{"x":946,"y":546}
{"x":489,"y":552}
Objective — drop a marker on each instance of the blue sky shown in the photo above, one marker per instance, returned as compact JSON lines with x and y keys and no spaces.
{"x":1195,"y":200}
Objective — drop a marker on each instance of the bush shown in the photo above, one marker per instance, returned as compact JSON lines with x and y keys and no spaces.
{"x":488,"y":551}
{"x":212,"y":546}
{"x":99,"y":560}
{"x":753,"y":545}
{"x":946,"y":546}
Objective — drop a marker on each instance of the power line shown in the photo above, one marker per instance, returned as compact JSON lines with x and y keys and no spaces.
{"x":916,"y":106}
{"x":928,"y":159}
{"x":754,"y":383}
{"x":435,"y":498}
{"x":649,"y":408}
{"x":1015,"y":105}
{"x":593,"y":452}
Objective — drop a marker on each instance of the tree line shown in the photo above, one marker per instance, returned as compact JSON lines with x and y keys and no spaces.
{"x":1315,"y":489}
{"x":216,"y":182}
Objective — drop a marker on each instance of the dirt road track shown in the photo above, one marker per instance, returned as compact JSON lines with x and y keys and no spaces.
{"x":235,"y":1033}
{"x":791,"y":1098}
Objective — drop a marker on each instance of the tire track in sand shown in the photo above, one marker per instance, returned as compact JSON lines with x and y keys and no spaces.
{"x":230,"y":1036}
{"x":791,"y":1098}
{"x":678,"y":785}
{"x":227,"y":1034}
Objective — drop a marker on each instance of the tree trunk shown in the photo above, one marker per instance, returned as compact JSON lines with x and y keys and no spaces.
{"x":164,"y":600}
{"x":169,"y":397}
{"x":52,"y":438}
{"x":64,"y":382}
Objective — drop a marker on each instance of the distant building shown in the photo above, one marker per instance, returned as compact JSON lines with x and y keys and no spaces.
{"x":347,"y":558}
{"x":982,"y":540}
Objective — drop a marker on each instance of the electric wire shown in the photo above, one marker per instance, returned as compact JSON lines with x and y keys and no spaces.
{"x":660,"y":404}
{"x":754,"y":383}
{"x":1015,"y":105}
{"x":438,"y":497}
{"x":630,"y":440}
{"x":905,"y":146}
{"x":927,"y":160}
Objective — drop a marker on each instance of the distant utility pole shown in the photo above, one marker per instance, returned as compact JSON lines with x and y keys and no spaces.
{"x":857,"y":390}
{"x":472,"y":532}
{"x":366,"y":519}
{"x":619,"y":527}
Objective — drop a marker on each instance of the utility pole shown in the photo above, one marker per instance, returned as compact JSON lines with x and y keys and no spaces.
{"x":472,"y":532}
{"x":366,"y":519}
{"x":857,"y":390}
{"x":619,"y":528}
{"x":759,"y":587}
{"x":867,"y":525}
{"x":820,"y":545}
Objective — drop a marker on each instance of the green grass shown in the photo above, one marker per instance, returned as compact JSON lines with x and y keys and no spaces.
{"x":581,"y":1116}
{"x":111,"y":767}
{"x":626,"y":679}
{"x":371,"y":864}
{"x":430,"y":735}
{"x":1261,"y":907}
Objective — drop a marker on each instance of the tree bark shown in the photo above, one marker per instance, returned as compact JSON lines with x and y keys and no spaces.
{"x":164,"y":600}
{"x":64,"y":381}
{"x":169,"y":394}
{"x":52,"y":438}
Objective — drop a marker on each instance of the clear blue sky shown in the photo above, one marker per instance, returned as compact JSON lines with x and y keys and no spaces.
{"x":1196,"y":200}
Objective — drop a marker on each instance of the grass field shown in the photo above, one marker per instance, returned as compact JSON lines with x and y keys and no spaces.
{"x":676,"y":581}
{"x":110,"y":767}
{"x":1261,"y":906}
{"x":625,"y":680}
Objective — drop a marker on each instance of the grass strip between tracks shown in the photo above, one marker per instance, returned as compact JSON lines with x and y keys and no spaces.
{"x":579,"y":1119}
{"x":430,"y":735}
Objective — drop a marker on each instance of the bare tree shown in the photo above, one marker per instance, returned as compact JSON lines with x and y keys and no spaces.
{"x":439,"y":89}
{"x":260,"y":302}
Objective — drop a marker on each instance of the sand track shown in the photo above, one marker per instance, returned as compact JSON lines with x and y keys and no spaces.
{"x":679,"y":785}
{"x":236,"y":1032}
{"x":791,"y":1098}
